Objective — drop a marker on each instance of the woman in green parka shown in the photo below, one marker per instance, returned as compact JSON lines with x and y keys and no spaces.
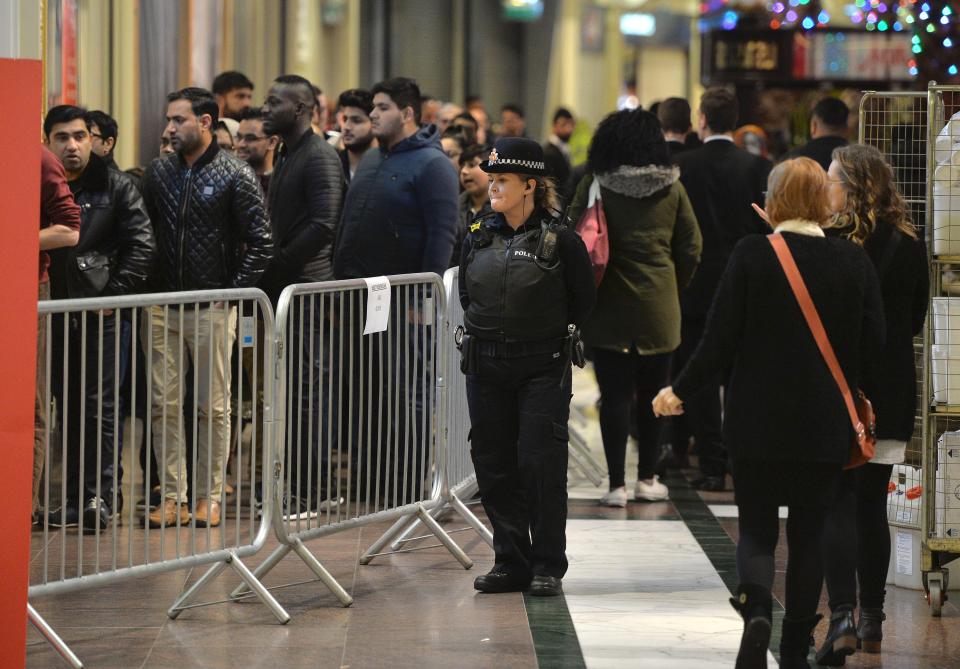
{"x":654,"y":250}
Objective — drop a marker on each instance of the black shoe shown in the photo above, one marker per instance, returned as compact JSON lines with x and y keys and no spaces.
{"x":96,"y":514}
{"x":546,"y":586}
{"x":154,"y":501}
{"x":841,"y":639}
{"x":710,"y":483}
{"x":500,"y":581}
{"x":870,"y":629}
{"x":298,"y":508}
{"x":64,"y":517}
{"x":755,"y":605}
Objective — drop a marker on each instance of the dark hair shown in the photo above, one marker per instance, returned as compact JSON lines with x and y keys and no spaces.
{"x":562,"y":113}
{"x":231,"y":80}
{"x":721,"y":109}
{"x":833,"y":112}
{"x":105,"y":123}
{"x":63,"y":114}
{"x":201,"y":102}
{"x":317,"y":91}
{"x":403,"y":91}
{"x":473,"y":151}
{"x":223,"y":126}
{"x":629,"y":137}
{"x":473,"y":98}
{"x":674,"y":115}
{"x":512,"y":107}
{"x":356,"y":97}
{"x":252,"y":114}
{"x":456,"y":134}
{"x":307,"y":89}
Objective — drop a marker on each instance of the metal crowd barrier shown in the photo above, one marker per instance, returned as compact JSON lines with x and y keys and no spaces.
{"x":364,"y":408}
{"x":95,"y":518}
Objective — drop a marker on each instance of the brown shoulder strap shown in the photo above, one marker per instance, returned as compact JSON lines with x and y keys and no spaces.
{"x":813,"y":321}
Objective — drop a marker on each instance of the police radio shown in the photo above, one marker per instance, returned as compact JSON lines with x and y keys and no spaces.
{"x":547,"y":250}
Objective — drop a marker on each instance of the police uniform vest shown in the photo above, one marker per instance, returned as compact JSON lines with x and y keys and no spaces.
{"x":515,"y":296}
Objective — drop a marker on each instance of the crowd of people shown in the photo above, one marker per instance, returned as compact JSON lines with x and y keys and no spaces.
{"x":394,"y":182}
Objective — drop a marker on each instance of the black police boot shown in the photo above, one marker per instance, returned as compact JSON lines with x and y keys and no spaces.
{"x":841,"y":639}
{"x":870,"y":629}
{"x":755,"y":605}
{"x":795,"y":642}
{"x":545,"y":586}
{"x":500,"y":580}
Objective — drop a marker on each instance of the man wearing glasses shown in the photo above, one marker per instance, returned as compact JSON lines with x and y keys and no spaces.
{"x":256,"y":147}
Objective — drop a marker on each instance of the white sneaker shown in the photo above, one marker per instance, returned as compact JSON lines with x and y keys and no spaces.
{"x":651,"y":490}
{"x":616,"y":497}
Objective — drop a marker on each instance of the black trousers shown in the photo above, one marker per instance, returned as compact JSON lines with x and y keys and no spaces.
{"x":629,"y":381}
{"x":519,"y":409}
{"x":856,"y":538}
{"x":86,"y":405}
{"x":805,"y":489}
{"x":702,"y":410}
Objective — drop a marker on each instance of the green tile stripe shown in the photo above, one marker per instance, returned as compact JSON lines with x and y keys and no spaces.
{"x":554,"y":637}
{"x":719,"y":548}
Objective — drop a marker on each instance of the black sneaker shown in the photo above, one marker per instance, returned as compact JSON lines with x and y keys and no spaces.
{"x":297,"y":508}
{"x":96,"y":514}
{"x":64,"y":517}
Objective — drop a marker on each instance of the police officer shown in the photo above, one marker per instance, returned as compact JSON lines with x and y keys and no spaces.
{"x":526,"y":285}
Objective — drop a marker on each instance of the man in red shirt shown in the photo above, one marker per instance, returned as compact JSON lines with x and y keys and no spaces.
{"x":59,"y":227}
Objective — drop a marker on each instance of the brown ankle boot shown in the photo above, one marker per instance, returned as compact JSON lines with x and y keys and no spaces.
{"x":168,"y":513}
{"x":207,"y":513}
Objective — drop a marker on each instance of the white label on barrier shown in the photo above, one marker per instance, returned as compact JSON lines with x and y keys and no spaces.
{"x":904,"y":553}
{"x":428,"y":311}
{"x":378,"y":304}
{"x":248,"y":331}
{"x":904,"y":516}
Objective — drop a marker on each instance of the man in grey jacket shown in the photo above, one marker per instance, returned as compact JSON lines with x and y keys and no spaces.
{"x":305,"y":199}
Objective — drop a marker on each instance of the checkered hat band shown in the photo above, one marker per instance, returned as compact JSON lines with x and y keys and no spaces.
{"x":531,"y":164}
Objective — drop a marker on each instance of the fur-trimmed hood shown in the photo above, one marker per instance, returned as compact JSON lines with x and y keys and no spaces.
{"x":639,"y":182}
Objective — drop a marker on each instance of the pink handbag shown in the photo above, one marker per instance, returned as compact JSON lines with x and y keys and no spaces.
{"x":592,"y":228}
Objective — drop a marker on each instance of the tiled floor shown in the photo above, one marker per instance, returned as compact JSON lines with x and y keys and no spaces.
{"x":647,"y":587}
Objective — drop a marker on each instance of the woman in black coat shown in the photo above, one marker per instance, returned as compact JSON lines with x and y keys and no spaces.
{"x":786,"y":426}
{"x":856,"y":540}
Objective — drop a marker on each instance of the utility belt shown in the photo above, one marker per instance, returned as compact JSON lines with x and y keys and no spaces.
{"x":471,"y":348}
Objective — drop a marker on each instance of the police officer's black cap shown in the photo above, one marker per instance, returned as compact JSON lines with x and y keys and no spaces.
{"x":515,"y":155}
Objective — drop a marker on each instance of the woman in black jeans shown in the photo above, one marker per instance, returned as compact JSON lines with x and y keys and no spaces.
{"x":786,"y":425}
{"x":654,"y":249}
{"x":856,"y":540}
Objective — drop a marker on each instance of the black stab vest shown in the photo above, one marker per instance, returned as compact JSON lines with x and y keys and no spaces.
{"x":514,"y":296}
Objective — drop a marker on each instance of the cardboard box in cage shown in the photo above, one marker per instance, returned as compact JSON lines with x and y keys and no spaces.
{"x":904,"y":498}
{"x":946,"y":207}
{"x":946,"y":322}
{"x":946,"y":374}
{"x":947,"y":507}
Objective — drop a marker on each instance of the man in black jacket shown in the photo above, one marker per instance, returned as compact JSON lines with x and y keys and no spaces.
{"x":306,"y":196}
{"x":113,"y":256}
{"x":828,"y":131}
{"x":674,"y":116}
{"x":722,"y":182}
{"x":212,"y":232}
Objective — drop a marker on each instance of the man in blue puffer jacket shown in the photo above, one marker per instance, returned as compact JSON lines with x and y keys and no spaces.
{"x":400,"y":215}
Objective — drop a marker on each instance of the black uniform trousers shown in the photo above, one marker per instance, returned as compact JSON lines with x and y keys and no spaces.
{"x":519,"y":409}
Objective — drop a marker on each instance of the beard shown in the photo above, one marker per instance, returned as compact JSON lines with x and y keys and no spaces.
{"x":360,"y":145}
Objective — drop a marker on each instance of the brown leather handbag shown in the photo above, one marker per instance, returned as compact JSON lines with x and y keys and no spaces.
{"x":862,"y":418}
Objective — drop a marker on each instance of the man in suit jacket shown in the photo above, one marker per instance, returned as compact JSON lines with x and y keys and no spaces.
{"x":674,"y":116}
{"x":828,"y":131}
{"x":722,"y":182}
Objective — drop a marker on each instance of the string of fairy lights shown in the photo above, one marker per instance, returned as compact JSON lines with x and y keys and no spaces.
{"x":934,"y":25}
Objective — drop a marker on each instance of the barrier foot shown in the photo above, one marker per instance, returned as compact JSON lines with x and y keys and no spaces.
{"x":444,"y":538}
{"x":578,"y":443}
{"x":471,"y":519}
{"x":262,"y":570}
{"x":385,"y":539}
{"x":260,"y":590}
{"x":325,"y":577}
{"x":584,"y":463}
{"x":53,"y":638}
{"x":406,"y":535}
{"x":178,"y":606}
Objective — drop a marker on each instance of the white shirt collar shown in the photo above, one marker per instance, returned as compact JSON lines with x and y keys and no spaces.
{"x":714,"y":138}
{"x":800,"y":227}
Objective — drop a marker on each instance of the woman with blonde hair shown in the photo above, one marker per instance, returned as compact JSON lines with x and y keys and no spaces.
{"x":785,"y":423}
{"x":869,"y":211}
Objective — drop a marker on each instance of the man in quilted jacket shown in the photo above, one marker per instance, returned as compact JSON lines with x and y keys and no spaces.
{"x":212,"y":232}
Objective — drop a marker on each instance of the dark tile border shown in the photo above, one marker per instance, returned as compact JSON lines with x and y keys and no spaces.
{"x":555,"y":640}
